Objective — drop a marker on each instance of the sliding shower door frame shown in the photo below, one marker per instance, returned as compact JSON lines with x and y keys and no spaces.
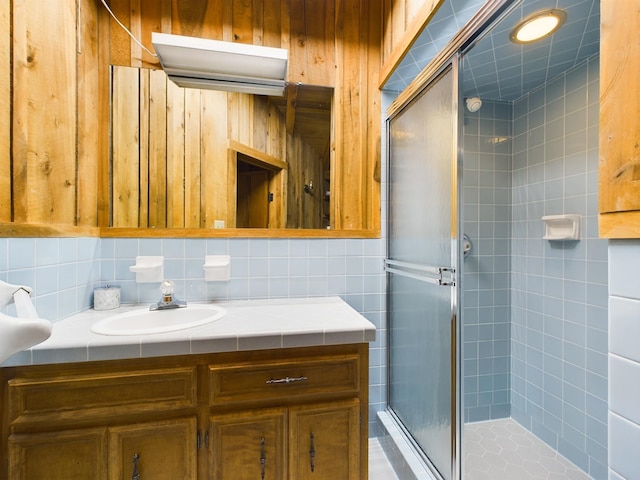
{"x":456,"y":254}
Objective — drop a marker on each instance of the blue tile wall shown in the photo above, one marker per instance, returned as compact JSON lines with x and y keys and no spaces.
{"x":486,"y":296}
{"x":559,"y":288}
{"x":61,"y":271}
{"x":624,"y":359}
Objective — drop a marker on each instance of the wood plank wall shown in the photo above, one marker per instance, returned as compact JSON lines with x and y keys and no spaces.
{"x":54,"y":98}
{"x":170,"y":162}
{"x":330,"y":42}
{"x":5,"y":112}
{"x":48,"y":137}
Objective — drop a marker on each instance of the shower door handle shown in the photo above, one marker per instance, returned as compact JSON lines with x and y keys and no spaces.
{"x":443,"y":276}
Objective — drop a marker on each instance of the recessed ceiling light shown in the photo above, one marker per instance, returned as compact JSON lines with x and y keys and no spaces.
{"x":538,"y":25}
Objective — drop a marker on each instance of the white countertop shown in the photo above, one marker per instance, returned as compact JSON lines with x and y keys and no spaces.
{"x":248,"y":325}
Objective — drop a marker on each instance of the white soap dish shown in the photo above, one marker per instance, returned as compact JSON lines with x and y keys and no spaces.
{"x":148,"y":269}
{"x":217,"y":268}
{"x":561,"y":227}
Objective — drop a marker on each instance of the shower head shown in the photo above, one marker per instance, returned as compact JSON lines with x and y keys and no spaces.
{"x":473,"y":104}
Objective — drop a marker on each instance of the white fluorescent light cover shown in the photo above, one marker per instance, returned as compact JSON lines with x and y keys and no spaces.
{"x":213,"y":64}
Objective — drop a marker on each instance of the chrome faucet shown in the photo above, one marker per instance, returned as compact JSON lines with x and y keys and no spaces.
{"x":167,"y":301}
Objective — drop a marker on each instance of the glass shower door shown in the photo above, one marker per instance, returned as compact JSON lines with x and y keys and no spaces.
{"x":422,"y":256}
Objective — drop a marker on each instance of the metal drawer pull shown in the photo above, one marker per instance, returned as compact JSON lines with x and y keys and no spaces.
{"x":136,"y":475}
{"x":312,"y":453}
{"x":263,"y":458}
{"x":287,"y":380}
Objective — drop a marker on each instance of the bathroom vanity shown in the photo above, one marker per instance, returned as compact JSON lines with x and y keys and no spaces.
{"x":289,"y":401}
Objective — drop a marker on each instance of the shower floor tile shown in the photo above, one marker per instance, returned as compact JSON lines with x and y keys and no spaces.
{"x":504,"y":450}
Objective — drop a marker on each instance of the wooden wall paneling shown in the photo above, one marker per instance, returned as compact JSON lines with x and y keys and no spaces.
{"x":258,"y":22}
{"x":312,"y":47}
{"x":89,"y":126}
{"x":119,"y":41}
{"x":175,"y":156}
{"x":274,"y":142}
{"x":104,"y":119}
{"x":125,"y":147}
{"x":350,"y":106}
{"x":242,"y":20}
{"x":192,"y":158}
{"x":155,"y":16}
{"x":329,"y":48}
{"x":135,"y":26}
{"x":197,"y":18}
{"x":157,"y":148}
{"x":5,"y":111}
{"x":294,"y":189}
{"x":260,"y":120}
{"x":240,"y":111}
{"x":44,"y":112}
{"x":272,"y":31}
{"x":218,"y":197}
{"x":387,"y":26}
{"x":231,"y":202}
{"x":373,"y":173}
{"x":144,"y":132}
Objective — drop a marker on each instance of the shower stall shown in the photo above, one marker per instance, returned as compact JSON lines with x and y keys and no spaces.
{"x":497,"y":335}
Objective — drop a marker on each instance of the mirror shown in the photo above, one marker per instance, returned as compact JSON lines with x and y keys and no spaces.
{"x":189,"y":158}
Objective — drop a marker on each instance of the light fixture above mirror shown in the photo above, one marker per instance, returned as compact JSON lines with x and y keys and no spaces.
{"x":192,"y":62}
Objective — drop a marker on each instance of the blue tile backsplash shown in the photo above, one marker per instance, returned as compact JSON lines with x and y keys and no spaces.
{"x":64,"y":272}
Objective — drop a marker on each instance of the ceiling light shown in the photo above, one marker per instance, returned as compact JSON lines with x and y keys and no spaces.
{"x":216,"y":65}
{"x":538,"y":25}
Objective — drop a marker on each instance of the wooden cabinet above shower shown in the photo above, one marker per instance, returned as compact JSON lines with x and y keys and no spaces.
{"x":619,"y":170}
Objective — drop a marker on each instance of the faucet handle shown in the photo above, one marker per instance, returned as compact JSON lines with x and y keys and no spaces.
{"x":166,"y":288}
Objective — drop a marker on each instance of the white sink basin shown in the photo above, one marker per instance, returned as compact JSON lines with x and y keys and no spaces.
{"x":143,"y":321}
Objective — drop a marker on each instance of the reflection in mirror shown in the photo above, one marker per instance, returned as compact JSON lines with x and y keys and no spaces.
{"x":188,"y":158}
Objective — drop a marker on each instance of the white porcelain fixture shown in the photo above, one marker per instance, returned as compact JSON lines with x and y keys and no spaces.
{"x":25,"y":330}
{"x":143,"y":321}
{"x":561,"y":227}
{"x":148,"y":269}
{"x":217,"y":268}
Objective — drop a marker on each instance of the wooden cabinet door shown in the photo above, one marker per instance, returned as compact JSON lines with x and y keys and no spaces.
{"x":324,"y":441}
{"x":249,"y":445}
{"x":67,"y":455}
{"x":161,"y":449}
{"x":619,"y":166}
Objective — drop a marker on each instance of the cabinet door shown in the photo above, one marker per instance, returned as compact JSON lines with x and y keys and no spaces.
{"x":66,"y":455}
{"x":249,"y":445}
{"x":163,"y":449}
{"x":324,"y":441}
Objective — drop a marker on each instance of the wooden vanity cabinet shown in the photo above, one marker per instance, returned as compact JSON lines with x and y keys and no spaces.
{"x":292,"y":413}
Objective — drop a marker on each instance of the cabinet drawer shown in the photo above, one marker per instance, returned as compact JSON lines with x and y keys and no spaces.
{"x":78,"y":397}
{"x":284,"y":380}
